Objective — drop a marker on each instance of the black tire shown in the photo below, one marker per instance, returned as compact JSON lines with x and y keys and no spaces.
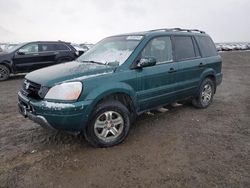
{"x":202,"y":101}
{"x":91,"y":134}
{"x":4,"y":73}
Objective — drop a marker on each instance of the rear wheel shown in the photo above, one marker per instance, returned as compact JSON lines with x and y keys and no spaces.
{"x":4,"y":73}
{"x":206,"y":94}
{"x":109,"y":125}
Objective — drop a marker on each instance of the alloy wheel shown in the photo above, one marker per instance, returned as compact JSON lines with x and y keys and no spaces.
{"x":108,"y":126}
{"x":206,"y":94}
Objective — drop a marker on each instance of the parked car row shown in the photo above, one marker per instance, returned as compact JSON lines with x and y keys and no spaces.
{"x":232,"y":46}
{"x":86,"y":46}
{"x":79,"y":49}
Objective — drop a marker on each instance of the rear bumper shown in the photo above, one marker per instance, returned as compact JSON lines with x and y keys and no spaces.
{"x":71,"y":117}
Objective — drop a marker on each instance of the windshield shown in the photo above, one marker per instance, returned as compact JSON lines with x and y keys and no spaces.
{"x":112,"y":50}
{"x":13,"y":47}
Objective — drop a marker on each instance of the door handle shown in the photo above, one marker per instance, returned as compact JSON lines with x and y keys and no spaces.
{"x":171,"y":70}
{"x":35,"y":54}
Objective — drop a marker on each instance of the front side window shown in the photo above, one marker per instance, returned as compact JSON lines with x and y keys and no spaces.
{"x":112,"y":50}
{"x":184,"y":48}
{"x":159,"y":48}
{"x":29,"y":48}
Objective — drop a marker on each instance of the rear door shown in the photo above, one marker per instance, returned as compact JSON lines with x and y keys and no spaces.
{"x":47,"y":53}
{"x":190,"y":64}
{"x":209,"y":53}
{"x":157,"y":83}
{"x":64,"y":53}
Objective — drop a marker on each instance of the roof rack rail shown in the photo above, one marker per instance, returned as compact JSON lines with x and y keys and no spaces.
{"x":178,"y":29}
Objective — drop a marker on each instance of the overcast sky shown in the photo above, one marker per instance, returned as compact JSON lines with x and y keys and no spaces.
{"x":91,"y":20}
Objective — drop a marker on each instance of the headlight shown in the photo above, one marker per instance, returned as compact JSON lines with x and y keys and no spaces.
{"x":65,"y":91}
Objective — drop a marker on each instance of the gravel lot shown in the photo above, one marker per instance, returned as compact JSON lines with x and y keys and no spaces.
{"x":183,"y":147}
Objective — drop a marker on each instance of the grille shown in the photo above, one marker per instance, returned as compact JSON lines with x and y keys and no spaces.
{"x":33,"y":90}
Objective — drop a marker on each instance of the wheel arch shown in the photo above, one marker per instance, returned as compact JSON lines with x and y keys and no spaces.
{"x":209,"y":73}
{"x":122,"y":97}
{"x":7,"y":64}
{"x":124,"y":94}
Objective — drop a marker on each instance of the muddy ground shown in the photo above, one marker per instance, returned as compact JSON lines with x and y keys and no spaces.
{"x":184,"y":147}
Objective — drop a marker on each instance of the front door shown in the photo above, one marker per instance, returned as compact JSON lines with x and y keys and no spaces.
{"x":157,"y":83}
{"x":26,"y":57}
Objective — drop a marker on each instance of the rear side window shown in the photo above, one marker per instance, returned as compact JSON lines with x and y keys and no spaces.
{"x":160,"y":48}
{"x":207,"y":46}
{"x":46,"y":47}
{"x":184,"y":48}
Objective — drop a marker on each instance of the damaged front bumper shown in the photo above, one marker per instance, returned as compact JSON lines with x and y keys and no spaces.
{"x":72,"y":118}
{"x":36,"y":118}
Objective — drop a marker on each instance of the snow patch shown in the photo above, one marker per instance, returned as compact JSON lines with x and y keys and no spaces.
{"x":57,"y":106}
{"x":134,"y":37}
{"x":89,"y":76}
{"x":111,"y":55}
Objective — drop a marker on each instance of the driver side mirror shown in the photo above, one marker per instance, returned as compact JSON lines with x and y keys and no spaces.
{"x":146,"y":62}
{"x":20,"y":52}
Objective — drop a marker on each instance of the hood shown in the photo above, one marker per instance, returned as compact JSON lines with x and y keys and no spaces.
{"x":69,"y":71}
{"x":4,"y":54}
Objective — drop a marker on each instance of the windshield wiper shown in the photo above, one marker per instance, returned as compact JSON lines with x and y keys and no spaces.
{"x":96,"y":62}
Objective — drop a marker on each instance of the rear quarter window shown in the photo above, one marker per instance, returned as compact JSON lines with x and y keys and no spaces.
{"x":184,"y":48}
{"x":61,"y":47}
{"x":207,"y":46}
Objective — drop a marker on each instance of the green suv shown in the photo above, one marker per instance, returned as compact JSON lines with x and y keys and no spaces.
{"x":101,"y":93}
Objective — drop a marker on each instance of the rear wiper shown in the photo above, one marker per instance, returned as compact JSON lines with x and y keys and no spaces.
{"x":96,"y":62}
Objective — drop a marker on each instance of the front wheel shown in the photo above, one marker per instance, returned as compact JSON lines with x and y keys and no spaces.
{"x":109,"y":125}
{"x":205,"y":95}
{"x":4,"y":73}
